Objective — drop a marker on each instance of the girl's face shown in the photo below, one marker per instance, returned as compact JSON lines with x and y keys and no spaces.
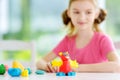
{"x":82,"y":14}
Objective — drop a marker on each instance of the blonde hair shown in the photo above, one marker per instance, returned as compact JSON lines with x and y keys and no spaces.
{"x":72,"y":30}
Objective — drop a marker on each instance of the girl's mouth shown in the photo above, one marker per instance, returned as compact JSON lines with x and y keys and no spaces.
{"x":81,"y":23}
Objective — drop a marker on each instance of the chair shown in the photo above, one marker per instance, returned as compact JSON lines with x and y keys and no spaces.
{"x":13,"y":45}
{"x":117,"y":46}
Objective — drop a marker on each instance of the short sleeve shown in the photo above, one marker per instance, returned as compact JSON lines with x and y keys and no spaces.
{"x":106,"y":45}
{"x":62,"y":46}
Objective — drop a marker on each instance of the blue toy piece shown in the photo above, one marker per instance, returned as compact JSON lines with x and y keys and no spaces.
{"x":71,"y":74}
{"x":63,"y":74}
{"x":2,"y":69}
{"x":40,"y":72}
{"x":14,"y":72}
{"x":29,"y":71}
{"x":60,"y":74}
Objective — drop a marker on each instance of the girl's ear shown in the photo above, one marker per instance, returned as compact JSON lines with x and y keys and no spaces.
{"x":68,"y":13}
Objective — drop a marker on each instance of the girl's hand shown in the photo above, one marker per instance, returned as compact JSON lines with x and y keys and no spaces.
{"x":52,"y":69}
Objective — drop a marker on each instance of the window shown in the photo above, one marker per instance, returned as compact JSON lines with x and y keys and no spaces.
{"x":113,"y":21}
{"x":40,"y":20}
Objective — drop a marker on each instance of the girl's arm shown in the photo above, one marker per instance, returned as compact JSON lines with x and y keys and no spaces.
{"x":43,"y":63}
{"x":113,"y":65}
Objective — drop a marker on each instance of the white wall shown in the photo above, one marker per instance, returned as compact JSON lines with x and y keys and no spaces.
{"x":3,"y":17}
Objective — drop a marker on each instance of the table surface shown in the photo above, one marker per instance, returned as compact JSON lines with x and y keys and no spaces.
{"x":79,"y":76}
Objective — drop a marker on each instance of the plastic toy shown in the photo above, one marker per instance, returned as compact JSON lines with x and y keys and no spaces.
{"x":56,"y":63}
{"x":65,"y":65}
{"x":14,"y":72}
{"x":2,"y":69}
{"x":16,"y":64}
{"x":29,"y":71}
{"x":18,"y":69}
{"x":6,"y":67}
{"x":40,"y":72}
{"x":25,"y":73}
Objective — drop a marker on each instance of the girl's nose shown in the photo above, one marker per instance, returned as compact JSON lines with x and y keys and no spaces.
{"x":81,"y":16}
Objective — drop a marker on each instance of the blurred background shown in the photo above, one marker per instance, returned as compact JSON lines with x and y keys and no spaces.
{"x":40,"y":21}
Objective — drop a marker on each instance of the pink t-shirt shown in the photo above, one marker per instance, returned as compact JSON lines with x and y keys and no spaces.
{"x":94,"y":52}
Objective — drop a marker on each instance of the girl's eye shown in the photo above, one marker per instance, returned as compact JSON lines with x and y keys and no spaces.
{"x":89,"y":12}
{"x":76,"y":12}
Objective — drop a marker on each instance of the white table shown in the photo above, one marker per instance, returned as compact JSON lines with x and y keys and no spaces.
{"x":79,"y":76}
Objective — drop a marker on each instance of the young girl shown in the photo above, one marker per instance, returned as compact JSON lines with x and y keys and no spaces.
{"x":92,"y":49}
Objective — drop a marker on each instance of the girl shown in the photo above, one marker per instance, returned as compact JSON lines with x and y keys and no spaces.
{"x":93,"y":50}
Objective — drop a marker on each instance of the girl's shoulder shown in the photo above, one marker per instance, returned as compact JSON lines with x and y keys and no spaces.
{"x":69,"y":37}
{"x":101,"y":36}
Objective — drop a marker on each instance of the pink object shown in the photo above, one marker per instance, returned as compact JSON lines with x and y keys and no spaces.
{"x":94,"y":52}
{"x":6,"y":67}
